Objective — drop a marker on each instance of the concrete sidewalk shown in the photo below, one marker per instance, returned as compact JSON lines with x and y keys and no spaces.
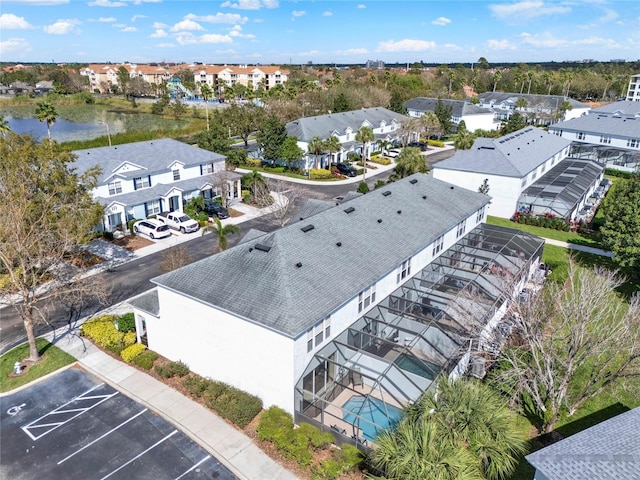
{"x":230,"y":446}
{"x":579,"y":248}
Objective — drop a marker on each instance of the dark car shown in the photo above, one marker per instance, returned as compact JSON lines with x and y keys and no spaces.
{"x":421,"y":145}
{"x":214,"y":209}
{"x":346,"y":170}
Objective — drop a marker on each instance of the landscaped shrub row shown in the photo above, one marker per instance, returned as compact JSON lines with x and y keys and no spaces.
{"x":612,"y":172}
{"x":145,"y":359}
{"x":381,"y":160}
{"x":102,"y":330}
{"x":299,"y":444}
{"x":320,"y":174}
{"x":235,"y":405}
{"x":435,"y":143}
{"x":172,"y":369}
{"x":545,"y":221}
{"x":132,"y":351}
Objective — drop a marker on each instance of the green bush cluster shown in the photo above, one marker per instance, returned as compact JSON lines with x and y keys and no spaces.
{"x":435,"y":143}
{"x":131,"y":222}
{"x":612,"y":172}
{"x":344,"y":460}
{"x":381,"y":160}
{"x":546,"y":221}
{"x":319,"y":174}
{"x":132,"y":351}
{"x":172,"y":369}
{"x":235,"y":405}
{"x":127,"y":323}
{"x":253,"y":163}
{"x":103,"y":332}
{"x":276,"y":426}
{"x":145,"y":359}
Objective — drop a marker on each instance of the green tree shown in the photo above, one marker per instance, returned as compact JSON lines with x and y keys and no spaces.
{"x":216,"y":139}
{"x":4,"y":126}
{"x":291,"y":152}
{"x":221,"y":232}
{"x":256,"y":184}
{"x":365,"y":136}
{"x":315,"y":147}
{"x":177,"y":108}
{"x":463,"y":139}
{"x":515,"y":123}
{"x":483,"y":64}
{"x":332,"y":145}
{"x":206,"y":93}
{"x":271,"y":137}
{"x":123,"y":80}
{"x":430,"y":124}
{"x":621,"y":229}
{"x":443,"y":114}
{"x":46,"y":112}
{"x":396,"y":104}
{"x":341,"y":103}
{"x":409,"y":161}
{"x":497,"y":78}
{"x":48,"y":213}
{"x":243,"y":120}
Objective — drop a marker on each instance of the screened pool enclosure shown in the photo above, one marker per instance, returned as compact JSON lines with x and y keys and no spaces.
{"x":358,"y":384}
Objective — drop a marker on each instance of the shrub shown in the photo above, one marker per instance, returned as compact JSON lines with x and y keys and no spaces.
{"x":253,"y":162}
{"x":319,"y":174}
{"x":435,"y":143}
{"x":612,"y":172}
{"x":172,"y":369}
{"x":341,"y":462}
{"x":127,"y":323}
{"x":381,"y":160}
{"x":237,"y":406}
{"x":102,"y":331}
{"x":363,"y":187}
{"x":195,"y":385}
{"x":316,"y":437}
{"x":129,"y":339}
{"x":379,"y":184}
{"x":273,"y":422}
{"x":145,"y":359}
{"x":132,"y":351}
{"x":131,"y":222}
{"x":108,"y":236}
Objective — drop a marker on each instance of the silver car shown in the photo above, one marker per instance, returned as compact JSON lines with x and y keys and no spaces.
{"x":152,"y":228}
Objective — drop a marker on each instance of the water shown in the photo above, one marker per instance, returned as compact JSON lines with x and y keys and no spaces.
{"x":62,"y":130}
{"x":370,"y":415}
{"x":423,"y":368}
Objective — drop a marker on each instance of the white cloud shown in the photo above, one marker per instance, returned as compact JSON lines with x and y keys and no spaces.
{"x":352,"y":51}
{"x":544,"y":39}
{"x":599,"y":41}
{"x":327,"y":13}
{"x":159,"y":25}
{"x":136,"y":17}
{"x":165,"y":45}
{"x":159,"y":33}
{"x":9,"y":21}
{"x":441,"y":21}
{"x":230,"y":18}
{"x":43,"y":3}
{"x":526,"y":10}
{"x":236,"y":32}
{"x":186,"y":25}
{"x":298,"y":13}
{"x":129,"y":29}
{"x":106,"y":19}
{"x":14,"y":48}
{"x":500,"y":45}
{"x":188,"y":38}
{"x":106,"y":3}
{"x":451,"y":46}
{"x":406,"y":45}
{"x":609,"y":16}
{"x":63,"y":27}
{"x":251,"y":4}
{"x":361,"y":6}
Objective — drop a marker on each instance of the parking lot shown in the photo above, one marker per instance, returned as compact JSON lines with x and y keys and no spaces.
{"x":72,"y":425}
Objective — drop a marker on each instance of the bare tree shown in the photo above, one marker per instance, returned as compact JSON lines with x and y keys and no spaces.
{"x":175,"y":257}
{"x":285,"y":196}
{"x":222,"y":181}
{"x":575,"y":340}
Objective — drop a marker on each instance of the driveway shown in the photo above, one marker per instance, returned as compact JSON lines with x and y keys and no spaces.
{"x":72,"y":425}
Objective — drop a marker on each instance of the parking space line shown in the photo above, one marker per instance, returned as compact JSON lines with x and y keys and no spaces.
{"x":102,"y":436}
{"x":50,"y":427}
{"x":140,"y":454}
{"x":194,"y":467}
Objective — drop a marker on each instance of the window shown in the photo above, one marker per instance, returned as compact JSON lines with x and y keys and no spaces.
{"x":543,"y":168}
{"x":480,"y":215}
{"x":115,"y":187}
{"x":580,"y":135}
{"x":405,"y":270}
{"x":141,"y":182}
{"x":534,"y":175}
{"x":206,"y":169}
{"x":633,"y":142}
{"x":176,"y":175}
{"x":462,"y":227}
{"x":153,"y":207}
{"x":310,"y":340}
{"x":524,"y":182}
{"x":327,"y":327}
{"x":437,"y":245}
{"x":605,"y":139}
{"x":366,"y":297}
{"x":319,"y":336}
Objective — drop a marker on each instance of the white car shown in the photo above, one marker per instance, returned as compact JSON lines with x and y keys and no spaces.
{"x":393,"y":153}
{"x":152,"y":228}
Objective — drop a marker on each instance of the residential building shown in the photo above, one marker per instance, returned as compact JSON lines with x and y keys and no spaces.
{"x":362,"y":303}
{"x":609,"y":135}
{"x":605,"y":451}
{"x":217,"y":77}
{"x":538,"y":109}
{"x":474,"y":117}
{"x":633,"y":92}
{"x":510,"y":164}
{"x":386,"y":126}
{"x":145,"y":178}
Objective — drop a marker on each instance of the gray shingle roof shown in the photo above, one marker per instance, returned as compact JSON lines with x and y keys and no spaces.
{"x":458,"y":107}
{"x":607,"y":451}
{"x":153,"y":156}
{"x":304,"y":129}
{"x":305,"y":276}
{"x":547,"y":102}
{"x":147,"y":302}
{"x":513,"y":155}
{"x":624,"y":107}
{"x":626,"y":126}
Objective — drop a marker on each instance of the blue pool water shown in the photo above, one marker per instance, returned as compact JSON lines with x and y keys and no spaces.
{"x":424,"y":368}
{"x":371,"y":411}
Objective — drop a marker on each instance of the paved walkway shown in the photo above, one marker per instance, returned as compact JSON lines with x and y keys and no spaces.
{"x":579,"y":248}
{"x":230,"y":446}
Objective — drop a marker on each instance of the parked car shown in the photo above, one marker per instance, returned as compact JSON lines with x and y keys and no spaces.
{"x":214,"y":209}
{"x":393,"y":153}
{"x":152,"y":228}
{"x":179,"y":221}
{"x":421,"y":145}
{"x":346,"y":170}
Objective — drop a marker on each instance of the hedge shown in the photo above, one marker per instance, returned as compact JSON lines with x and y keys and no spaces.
{"x":380,"y":160}
{"x":435,"y":143}
{"x":132,"y":351}
{"x":127,"y":323}
{"x":145,"y":359}
{"x":253,"y":162}
{"x":103,"y":332}
{"x":320,"y":174}
{"x":172,"y":369}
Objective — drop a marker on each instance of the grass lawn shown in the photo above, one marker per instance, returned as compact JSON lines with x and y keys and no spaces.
{"x":569,"y":237}
{"x":52,"y":359}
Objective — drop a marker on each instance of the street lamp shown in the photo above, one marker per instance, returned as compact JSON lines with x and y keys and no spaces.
{"x":108,"y":132}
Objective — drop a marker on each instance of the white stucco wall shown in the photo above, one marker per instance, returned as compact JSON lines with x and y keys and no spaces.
{"x":482,"y":122}
{"x":219,"y":345}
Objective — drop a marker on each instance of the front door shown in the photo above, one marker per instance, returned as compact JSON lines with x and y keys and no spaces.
{"x":174,"y":203}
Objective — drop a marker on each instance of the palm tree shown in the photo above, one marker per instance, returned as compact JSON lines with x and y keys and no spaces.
{"x":497,"y":77}
{"x":316,"y":146}
{"x":463,"y":139}
{"x":4,"y":126}
{"x":332,"y":145}
{"x":409,"y":161}
{"x":365,"y":136}
{"x":206,"y":93}
{"x":221,"y":232}
{"x":46,"y":112}
{"x":253,"y":180}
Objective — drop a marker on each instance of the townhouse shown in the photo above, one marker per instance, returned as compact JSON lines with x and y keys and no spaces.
{"x":536,"y":109}
{"x":474,"y":117}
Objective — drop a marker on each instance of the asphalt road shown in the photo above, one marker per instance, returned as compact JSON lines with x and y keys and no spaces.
{"x":132,"y":278}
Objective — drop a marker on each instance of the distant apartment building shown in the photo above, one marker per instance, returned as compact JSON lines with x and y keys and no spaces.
{"x":253,"y":78}
{"x":633,"y":92}
{"x":377,"y":64}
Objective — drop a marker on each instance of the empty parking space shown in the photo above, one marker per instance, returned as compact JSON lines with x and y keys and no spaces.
{"x":74,"y":426}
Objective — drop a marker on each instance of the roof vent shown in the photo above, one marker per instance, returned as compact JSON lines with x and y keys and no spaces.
{"x":413,"y":181}
{"x":307,"y":228}
{"x":339,"y":244}
{"x":262,"y":247}
{"x":379,"y":220}
{"x":349,"y":210}
{"x":399,"y":212}
{"x":301,"y":218}
{"x":451,"y":187}
{"x":299,"y":264}
{"x":387,"y":193}
{"x":250,"y":249}
{"x":424,"y":197}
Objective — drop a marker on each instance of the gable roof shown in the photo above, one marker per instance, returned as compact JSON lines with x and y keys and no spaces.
{"x":512,"y":155}
{"x":615,"y":125}
{"x":304,"y":129}
{"x":153,"y":156}
{"x":290,"y":279}
{"x":548,"y":102}
{"x":459,"y":108}
{"x":624,"y":107}
{"x":608,"y":450}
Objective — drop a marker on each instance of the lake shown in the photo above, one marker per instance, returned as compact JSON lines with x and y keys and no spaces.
{"x":62,"y":130}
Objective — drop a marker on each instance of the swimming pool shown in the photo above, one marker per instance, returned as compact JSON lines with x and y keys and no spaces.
{"x":370,"y":414}
{"x":424,"y":368}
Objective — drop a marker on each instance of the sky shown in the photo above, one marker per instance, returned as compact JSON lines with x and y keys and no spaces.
{"x":321,"y":32}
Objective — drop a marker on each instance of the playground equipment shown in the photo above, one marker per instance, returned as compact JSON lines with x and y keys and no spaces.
{"x":177,"y":89}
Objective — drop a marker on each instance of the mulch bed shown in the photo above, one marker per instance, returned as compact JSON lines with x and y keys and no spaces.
{"x":132,"y":242}
{"x":84,"y":259}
